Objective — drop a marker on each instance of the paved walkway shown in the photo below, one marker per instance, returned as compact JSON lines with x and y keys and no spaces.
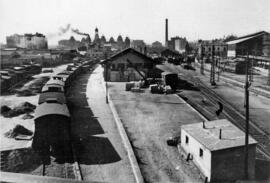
{"x":98,"y":145}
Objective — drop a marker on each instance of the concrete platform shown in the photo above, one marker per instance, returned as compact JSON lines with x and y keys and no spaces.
{"x":98,"y":145}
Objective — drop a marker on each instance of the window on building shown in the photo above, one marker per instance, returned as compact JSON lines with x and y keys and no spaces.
{"x":113,"y":66}
{"x":187,"y":139}
{"x":121,"y":66}
{"x":201,"y":152}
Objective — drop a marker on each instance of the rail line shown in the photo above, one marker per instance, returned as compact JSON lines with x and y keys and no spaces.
{"x":66,"y":168}
{"x":231,"y":113}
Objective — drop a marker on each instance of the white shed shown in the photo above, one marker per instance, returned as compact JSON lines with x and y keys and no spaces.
{"x":218,"y":149}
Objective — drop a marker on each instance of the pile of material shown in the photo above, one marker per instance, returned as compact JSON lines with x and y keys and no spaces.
{"x":23,"y":108}
{"x":136,"y":89}
{"x":168,"y":89}
{"x":18,"y":130}
{"x":135,"y":86}
{"x":5,"y":109}
{"x":129,"y":85}
{"x":157,"y":89}
{"x":27,"y":116}
{"x":24,"y":92}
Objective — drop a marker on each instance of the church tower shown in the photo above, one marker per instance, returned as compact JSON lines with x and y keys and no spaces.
{"x":96,"y":40}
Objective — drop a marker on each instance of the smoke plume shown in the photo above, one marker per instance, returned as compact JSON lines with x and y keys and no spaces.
{"x":61,"y":31}
{"x":80,"y":33}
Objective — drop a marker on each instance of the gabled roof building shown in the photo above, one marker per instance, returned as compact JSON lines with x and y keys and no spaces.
{"x":257,"y":44}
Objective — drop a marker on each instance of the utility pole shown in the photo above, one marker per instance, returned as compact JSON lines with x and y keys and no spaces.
{"x":251,"y":69}
{"x":247,"y":85}
{"x":212,"y":74}
{"x":268,"y":80}
{"x":106,"y":77}
{"x":218,"y":66}
{"x":202,"y":61}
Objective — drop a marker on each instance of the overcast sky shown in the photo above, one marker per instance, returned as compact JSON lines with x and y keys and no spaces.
{"x":138,"y":19}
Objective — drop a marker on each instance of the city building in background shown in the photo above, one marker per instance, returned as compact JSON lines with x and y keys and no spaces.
{"x":207,"y":48}
{"x":178,"y":44}
{"x":156,"y":44}
{"x":27,"y":41}
{"x":139,"y":45}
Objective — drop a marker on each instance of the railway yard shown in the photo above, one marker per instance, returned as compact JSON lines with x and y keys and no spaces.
{"x":100,"y":151}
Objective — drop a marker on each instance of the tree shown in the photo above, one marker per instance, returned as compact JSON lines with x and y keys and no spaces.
{"x":72,"y":39}
{"x":230,"y":38}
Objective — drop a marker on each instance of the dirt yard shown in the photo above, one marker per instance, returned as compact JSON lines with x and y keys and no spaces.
{"x":150,"y":119}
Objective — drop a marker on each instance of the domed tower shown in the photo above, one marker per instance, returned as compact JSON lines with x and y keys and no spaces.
{"x":88,"y":39}
{"x":119,"y":39}
{"x":96,"y":40}
{"x":111,"y":40}
{"x":102,"y":39}
{"x":127,"y":42}
{"x":120,"y":43}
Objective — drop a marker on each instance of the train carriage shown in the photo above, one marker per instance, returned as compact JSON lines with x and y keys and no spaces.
{"x":52,"y":129}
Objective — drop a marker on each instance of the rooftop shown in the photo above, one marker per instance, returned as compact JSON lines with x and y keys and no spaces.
{"x":247,"y":37}
{"x":51,"y":109}
{"x":231,"y":136}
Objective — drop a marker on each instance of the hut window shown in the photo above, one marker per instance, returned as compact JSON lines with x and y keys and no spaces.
{"x":201,"y":152}
{"x":187,"y":139}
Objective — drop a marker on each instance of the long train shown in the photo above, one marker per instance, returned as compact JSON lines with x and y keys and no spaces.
{"x":52,"y":116}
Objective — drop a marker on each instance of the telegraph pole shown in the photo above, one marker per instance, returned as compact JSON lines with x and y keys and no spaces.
{"x":212,"y":74}
{"x":106,"y":77}
{"x":247,"y":84}
{"x":219,"y":70}
{"x":268,"y":80}
{"x":202,"y":61}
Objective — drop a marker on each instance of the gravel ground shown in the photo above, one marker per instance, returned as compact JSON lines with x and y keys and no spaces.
{"x":149,"y":120}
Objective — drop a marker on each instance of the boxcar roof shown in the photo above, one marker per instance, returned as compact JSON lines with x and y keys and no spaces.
{"x":55,"y":82}
{"x":60,"y":97}
{"x":46,"y":87}
{"x":50,"y":109}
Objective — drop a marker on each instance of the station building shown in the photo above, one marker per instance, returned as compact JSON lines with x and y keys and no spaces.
{"x":218,"y":149}
{"x":128,"y":65}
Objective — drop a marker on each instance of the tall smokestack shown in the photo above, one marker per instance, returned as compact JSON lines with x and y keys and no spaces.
{"x":166,"y":33}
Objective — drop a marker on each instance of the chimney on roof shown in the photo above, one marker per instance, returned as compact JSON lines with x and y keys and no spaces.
{"x":220,"y":132}
{"x":166,"y":32}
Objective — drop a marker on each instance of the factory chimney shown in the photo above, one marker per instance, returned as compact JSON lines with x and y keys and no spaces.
{"x":166,"y":33}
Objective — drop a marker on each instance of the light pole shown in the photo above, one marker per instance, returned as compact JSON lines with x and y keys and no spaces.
{"x":247,"y":85}
{"x":106,"y":78}
{"x":212,"y":74}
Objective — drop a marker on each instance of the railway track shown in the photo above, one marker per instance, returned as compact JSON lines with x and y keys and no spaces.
{"x":232,"y":114}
